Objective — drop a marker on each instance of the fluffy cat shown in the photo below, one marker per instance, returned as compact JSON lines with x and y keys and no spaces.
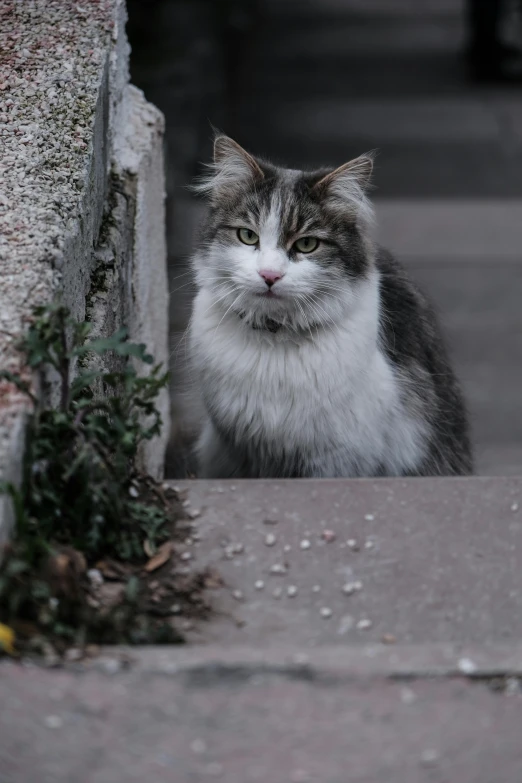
{"x":316,"y":355}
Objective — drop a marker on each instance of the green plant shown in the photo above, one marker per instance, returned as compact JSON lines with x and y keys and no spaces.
{"x":81,"y":497}
{"x":78,"y":484}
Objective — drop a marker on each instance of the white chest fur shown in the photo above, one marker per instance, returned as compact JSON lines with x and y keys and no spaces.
{"x":331,"y":404}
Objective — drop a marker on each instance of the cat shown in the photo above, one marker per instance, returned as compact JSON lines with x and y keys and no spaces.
{"x":315,"y":354}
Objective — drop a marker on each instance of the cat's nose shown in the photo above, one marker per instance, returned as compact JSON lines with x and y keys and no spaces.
{"x":270,"y":276}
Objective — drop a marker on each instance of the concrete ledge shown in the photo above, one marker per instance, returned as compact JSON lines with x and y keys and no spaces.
{"x":333,"y":562}
{"x":79,"y":149}
{"x":239,"y":719}
{"x":327,"y":662}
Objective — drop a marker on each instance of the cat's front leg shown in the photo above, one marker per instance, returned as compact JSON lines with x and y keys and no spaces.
{"x":214,"y":459}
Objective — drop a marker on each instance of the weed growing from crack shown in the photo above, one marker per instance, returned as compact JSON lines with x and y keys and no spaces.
{"x":81,"y":497}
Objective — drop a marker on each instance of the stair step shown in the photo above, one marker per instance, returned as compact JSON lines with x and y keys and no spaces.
{"x":407,"y":715}
{"x":416,"y":561}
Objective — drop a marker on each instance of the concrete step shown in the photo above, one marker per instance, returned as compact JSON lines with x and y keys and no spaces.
{"x":356,"y":715}
{"x":438,"y":560}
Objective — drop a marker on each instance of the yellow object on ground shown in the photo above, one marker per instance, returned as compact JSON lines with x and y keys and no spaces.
{"x":7,"y":639}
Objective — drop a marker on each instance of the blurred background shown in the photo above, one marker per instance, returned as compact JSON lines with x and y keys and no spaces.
{"x":433,"y":85}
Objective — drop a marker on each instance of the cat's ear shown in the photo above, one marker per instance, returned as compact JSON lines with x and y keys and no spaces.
{"x":227,"y":152}
{"x":345,"y":189}
{"x":351,"y":178}
{"x":233,"y":170}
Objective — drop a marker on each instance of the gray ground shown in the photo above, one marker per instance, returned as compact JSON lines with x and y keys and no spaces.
{"x":291,"y":686}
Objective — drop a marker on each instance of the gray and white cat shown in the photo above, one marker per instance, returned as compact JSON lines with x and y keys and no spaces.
{"x":316,"y":355}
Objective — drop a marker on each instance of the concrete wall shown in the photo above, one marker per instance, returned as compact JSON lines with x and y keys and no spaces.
{"x":81,"y":192}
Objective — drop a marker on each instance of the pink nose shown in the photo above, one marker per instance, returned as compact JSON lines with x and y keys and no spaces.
{"x":270,"y":276}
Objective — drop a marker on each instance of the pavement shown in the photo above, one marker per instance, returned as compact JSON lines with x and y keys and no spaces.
{"x":311,"y":563}
{"x":301,"y":676}
{"x":179,"y":723}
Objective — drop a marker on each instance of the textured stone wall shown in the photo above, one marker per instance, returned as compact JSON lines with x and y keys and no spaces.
{"x":81,"y":192}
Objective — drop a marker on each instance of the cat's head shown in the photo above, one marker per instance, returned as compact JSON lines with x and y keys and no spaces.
{"x":284,"y":247}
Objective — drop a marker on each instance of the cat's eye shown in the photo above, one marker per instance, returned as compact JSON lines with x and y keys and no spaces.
{"x":247,"y":236}
{"x":306,"y":244}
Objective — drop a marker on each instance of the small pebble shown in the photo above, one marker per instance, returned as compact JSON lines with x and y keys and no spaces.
{"x":53,"y":721}
{"x":287,"y":548}
{"x":214,"y":769}
{"x":369,"y":517}
{"x":278,"y":568}
{"x":74,"y":654}
{"x":186,"y":555}
{"x":133,"y":492}
{"x":364,"y":624}
{"x":328,"y":536}
{"x":175,"y":608}
{"x":238,"y":595}
{"x":232,"y":550}
{"x":325,"y":612}
{"x":291,"y":591}
{"x":270,"y":539}
{"x":233,"y":488}
{"x":512,"y":686}
{"x":514,"y":507}
{"x":278,"y":592}
{"x":316,"y":589}
{"x":408,"y":696}
{"x":352,"y":587}
{"x":305,"y":544}
{"x":259,"y":585}
{"x":429,"y":758}
{"x":95,"y":577}
{"x":352,"y":543}
{"x":300,"y":658}
{"x":467,"y":666}
{"x":194,"y":514}
{"x":198,"y":746}
{"x":388,"y":638}
{"x":369,"y":545}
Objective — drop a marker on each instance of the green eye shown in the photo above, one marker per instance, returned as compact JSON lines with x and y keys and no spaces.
{"x":306,"y":244}
{"x":247,"y":236}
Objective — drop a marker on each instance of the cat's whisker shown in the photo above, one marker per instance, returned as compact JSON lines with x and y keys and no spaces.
{"x":329,"y":319}
{"x":319,"y":321}
{"x":181,"y":287}
{"x":238,"y":297}
{"x":305,"y":319}
{"x":184,"y":274}
{"x":173,"y":354}
{"x":194,"y":283}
